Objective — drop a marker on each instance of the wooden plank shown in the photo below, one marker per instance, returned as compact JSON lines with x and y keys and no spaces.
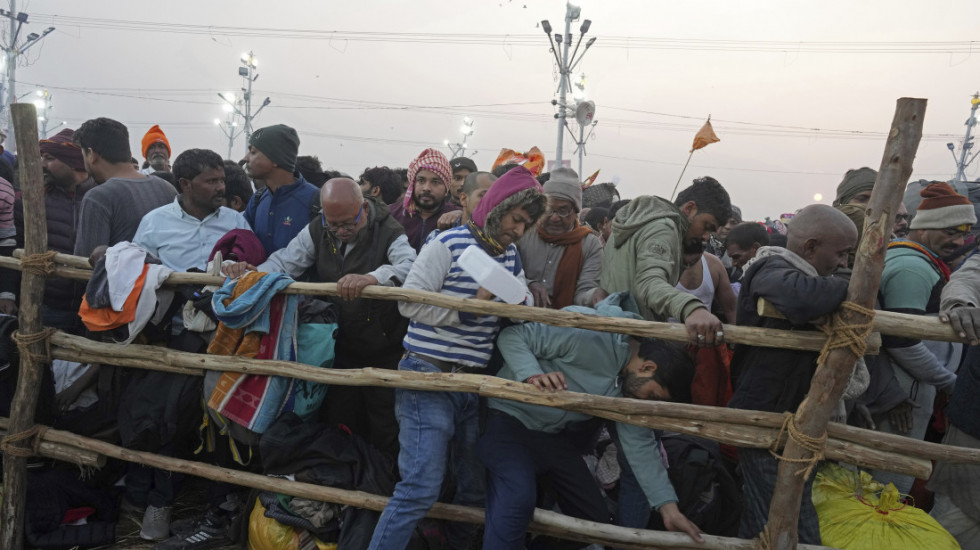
{"x":24,"y":403}
{"x":831,"y":376}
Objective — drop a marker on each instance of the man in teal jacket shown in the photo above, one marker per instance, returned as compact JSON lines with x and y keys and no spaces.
{"x":522,"y":441}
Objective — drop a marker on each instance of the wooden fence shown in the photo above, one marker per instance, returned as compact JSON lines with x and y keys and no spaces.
{"x":850,"y":336}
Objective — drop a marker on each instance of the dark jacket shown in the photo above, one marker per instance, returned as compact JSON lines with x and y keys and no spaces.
{"x":367,"y":328}
{"x":774,"y":379}
{"x":417,"y":228}
{"x":61,"y":208}
{"x":278,"y":217}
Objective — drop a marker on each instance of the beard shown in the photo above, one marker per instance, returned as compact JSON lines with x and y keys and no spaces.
{"x":693,"y":247}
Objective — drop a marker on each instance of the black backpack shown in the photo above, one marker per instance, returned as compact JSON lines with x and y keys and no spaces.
{"x":707,"y":492}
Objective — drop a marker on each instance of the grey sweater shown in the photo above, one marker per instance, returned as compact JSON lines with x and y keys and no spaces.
{"x":112,"y":211}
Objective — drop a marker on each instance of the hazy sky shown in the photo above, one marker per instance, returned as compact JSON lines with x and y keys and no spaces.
{"x":793,"y":111}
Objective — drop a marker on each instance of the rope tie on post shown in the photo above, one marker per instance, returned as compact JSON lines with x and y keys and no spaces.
{"x":39,"y":264}
{"x":25,"y":341}
{"x":841,"y":334}
{"x":34,"y":434}
{"x":814,"y":445}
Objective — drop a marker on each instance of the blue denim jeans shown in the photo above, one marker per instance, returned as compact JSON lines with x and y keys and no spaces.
{"x":759,"y":469}
{"x":433,"y":426}
{"x":634,"y":508}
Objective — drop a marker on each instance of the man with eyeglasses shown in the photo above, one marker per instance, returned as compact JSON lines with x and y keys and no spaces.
{"x":356,"y":243}
{"x":562,"y":258}
{"x":911,"y":282}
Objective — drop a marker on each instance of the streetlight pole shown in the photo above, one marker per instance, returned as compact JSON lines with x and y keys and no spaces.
{"x":12,"y":51}
{"x":459,"y":149}
{"x":566,"y":61}
{"x":242,"y":107}
{"x":962,"y":162}
{"x":230,"y":129}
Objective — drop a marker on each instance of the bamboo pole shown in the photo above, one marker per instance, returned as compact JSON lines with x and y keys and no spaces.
{"x":544,"y":522}
{"x":24,"y":402}
{"x":646,"y":329}
{"x":731,"y":426}
{"x":831,"y":376}
{"x":905,"y":325}
{"x":62,"y":452}
{"x":885,"y":322}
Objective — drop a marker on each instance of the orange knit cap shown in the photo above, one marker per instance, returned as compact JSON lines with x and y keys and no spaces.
{"x":155,"y":135}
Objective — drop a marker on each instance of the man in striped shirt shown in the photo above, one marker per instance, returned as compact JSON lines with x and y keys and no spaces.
{"x":444,"y":340}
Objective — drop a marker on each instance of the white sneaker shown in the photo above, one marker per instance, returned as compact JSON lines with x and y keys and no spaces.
{"x":156,"y":523}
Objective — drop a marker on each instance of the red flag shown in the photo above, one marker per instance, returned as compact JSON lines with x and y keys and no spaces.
{"x":591,"y":179}
{"x":704,"y":137}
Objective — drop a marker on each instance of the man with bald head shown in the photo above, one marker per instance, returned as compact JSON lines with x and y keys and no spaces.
{"x":798,"y":280}
{"x":356,"y":243}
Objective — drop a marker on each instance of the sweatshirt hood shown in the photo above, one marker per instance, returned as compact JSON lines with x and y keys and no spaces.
{"x":641,"y":211}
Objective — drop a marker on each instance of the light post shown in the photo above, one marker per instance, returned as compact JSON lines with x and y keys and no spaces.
{"x":243,"y":107}
{"x":230,"y":126}
{"x":43,"y":105}
{"x":567,"y":61}
{"x":585,"y":116}
{"x":963,"y":162}
{"x":12,"y":51}
{"x":459,"y":148}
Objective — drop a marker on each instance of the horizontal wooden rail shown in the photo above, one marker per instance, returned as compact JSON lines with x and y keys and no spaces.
{"x":60,"y":451}
{"x":800,"y":340}
{"x":544,"y":522}
{"x":731,"y":426}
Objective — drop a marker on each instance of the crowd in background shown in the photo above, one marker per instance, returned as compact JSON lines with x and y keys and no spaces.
{"x":275,"y":217}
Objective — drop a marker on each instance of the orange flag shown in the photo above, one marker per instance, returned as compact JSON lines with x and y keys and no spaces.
{"x":591,"y":179}
{"x":705,"y":136}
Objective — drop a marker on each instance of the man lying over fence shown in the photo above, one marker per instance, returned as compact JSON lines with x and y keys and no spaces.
{"x":523,"y":441}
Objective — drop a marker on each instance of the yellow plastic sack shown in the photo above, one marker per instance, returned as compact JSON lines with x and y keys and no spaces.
{"x":268,"y":534}
{"x":873,"y":521}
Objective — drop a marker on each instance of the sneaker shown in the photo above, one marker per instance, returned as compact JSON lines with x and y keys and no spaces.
{"x":156,"y":523}
{"x":211,"y":531}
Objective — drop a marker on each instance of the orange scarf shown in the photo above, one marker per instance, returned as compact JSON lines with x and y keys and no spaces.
{"x":570,"y":265}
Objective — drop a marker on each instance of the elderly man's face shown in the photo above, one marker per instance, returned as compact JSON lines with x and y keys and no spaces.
{"x":158,"y":156}
{"x":559,"y":217}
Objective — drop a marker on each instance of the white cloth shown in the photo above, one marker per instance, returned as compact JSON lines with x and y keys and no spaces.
{"x":152,"y":305}
{"x":123,"y":265}
{"x":65,"y":374}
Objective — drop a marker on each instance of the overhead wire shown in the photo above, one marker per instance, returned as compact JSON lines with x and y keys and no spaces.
{"x":627,"y":42}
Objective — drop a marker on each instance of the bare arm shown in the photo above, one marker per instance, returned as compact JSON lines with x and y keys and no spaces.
{"x":724,"y":294}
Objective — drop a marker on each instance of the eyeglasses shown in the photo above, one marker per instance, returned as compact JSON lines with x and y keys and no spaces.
{"x":562,"y":212}
{"x":902,"y":217}
{"x":958,"y":231}
{"x":338,"y":227}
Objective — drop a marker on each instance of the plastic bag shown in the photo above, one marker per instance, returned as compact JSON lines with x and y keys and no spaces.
{"x":875,"y":520}
{"x":268,"y":534}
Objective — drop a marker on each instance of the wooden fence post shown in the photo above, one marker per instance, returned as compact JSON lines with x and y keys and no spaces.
{"x":831,"y":375}
{"x":32,"y":360}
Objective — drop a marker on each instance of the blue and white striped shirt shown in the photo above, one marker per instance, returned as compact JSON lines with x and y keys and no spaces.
{"x":447,"y":334}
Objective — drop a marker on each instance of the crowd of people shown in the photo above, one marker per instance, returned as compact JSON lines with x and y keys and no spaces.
{"x":276,"y":217}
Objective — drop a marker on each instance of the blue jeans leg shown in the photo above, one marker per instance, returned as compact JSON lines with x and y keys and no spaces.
{"x":759,"y":470}
{"x":633,"y":507}
{"x":467,"y":467}
{"x":426,"y":424}
{"x":511,"y":484}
